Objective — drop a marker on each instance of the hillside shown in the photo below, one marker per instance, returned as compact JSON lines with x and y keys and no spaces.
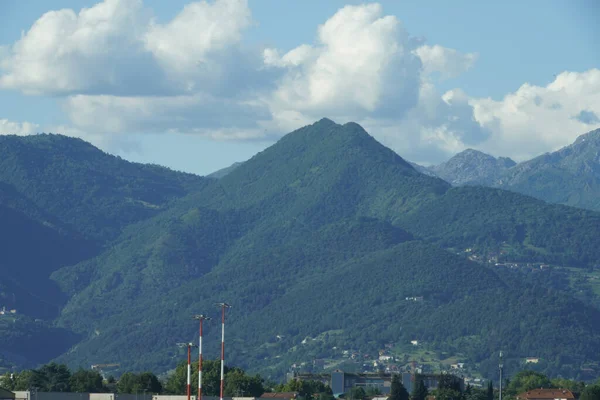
{"x":94,"y":193}
{"x":568,"y":176}
{"x":323,"y":235}
{"x":224,"y":171}
{"x":472,"y":167}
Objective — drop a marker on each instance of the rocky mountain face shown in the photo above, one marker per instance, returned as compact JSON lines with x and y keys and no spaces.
{"x":472,"y":167}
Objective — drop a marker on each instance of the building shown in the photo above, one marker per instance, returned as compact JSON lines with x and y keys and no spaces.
{"x":341,"y":382}
{"x":6,"y":394}
{"x":547,"y":394}
{"x":280,"y":395}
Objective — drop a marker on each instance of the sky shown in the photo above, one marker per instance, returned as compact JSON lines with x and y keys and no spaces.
{"x":196,"y":86}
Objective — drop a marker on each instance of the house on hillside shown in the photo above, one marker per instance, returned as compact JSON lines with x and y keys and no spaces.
{"x":547,"y":394}
{"x":532,"y":360}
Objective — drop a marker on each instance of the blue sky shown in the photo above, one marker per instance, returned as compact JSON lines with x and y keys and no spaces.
{"x":455,"y":79}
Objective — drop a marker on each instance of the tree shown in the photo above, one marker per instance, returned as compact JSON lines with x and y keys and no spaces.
{"x":149,"y":383}
{"x":84,"y":381}
{"x":52,"y":378}
{"x":239,"y":384}
{"x":590,"y":393}
{"x":398,"y":391}
{"x":524,"y":381}
{"x":420,"y":391}
{"x":356,"y":393}
{"x":490,"y":391}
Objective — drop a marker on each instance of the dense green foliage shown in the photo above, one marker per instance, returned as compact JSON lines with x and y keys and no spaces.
{"x":237,"y":382}
{"x":568,"y":176}
{"x":398,"y":391}
{"x":94,"y":192}
{"x":320,"y":237}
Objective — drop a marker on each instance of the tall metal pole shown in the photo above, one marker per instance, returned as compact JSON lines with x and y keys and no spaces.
{"x":189,"y":371}
{"x":223,"y":307}
{"x":189,"y":366}
{"x":200,"y":318}
{"x":501,"y":366}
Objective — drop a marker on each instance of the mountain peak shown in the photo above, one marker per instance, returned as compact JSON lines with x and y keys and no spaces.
{"x":472,"y":166}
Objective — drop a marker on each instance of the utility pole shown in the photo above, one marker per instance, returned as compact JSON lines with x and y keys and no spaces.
{"x":201,"y":318}
{"x":189,"y":366}
{"x":223,"y":307}
{"x":501,"y":366}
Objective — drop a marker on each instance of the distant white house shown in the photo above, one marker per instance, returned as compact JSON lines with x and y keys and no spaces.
{"x":532,"y":360}
{"x":385,"y":358}
{"x":414,"y":342}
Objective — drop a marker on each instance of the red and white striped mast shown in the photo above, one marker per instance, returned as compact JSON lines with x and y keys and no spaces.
{"x":189,"y":366}
{"x":223,"y":307}
{"x":200,"y":318}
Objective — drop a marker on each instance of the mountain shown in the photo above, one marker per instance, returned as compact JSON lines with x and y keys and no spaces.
{"x":317,"y":241}
{"x":472,"y":167}
{"x":422,"y":169}
{"x":224,"y":171}
{"x":63,"y":201}
{"x":568,"y":176}
{"x":94,"y":193}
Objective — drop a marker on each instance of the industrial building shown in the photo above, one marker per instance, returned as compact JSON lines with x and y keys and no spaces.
{"x":341,"y":382}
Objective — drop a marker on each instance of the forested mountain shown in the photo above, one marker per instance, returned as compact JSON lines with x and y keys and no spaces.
{"x":224,"y":171}
{"x":472,"y":167}
{"x":95,"y":193}
{"x":568,"y":176}
{"x":323,"y":235}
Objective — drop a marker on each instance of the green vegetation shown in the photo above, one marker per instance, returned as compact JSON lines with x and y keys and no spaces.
{"x":321,"y":236}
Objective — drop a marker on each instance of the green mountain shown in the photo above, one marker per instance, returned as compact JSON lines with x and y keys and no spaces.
{"x":94,"y":193}
{"x":568,"y":176}
{"x":62,"y":201}
{"x":323,"y":236}
{"x":224,"y":171}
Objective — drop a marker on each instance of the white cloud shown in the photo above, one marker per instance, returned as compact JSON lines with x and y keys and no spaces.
{"x":198,"y":113}
{"x":537,"y":119}
{"x":449,"y":63}
{"x":187,"y":44}
{"x":116,"y":48}
{"x":96,"y":50}
{"x":119,"y":70}
{"x":360,"y":65}
{"x":17,"y":128}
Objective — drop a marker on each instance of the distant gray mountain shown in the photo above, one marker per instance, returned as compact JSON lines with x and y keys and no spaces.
{"x":568,"y":176}
{"x":472,"y":167}
{"x":224,"y":171}
{"x":422,"y":169}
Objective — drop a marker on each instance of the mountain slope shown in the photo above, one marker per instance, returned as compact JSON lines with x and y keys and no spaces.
{"x":568,"y":176}
{"x":472,"y":167}
{"x":224,"y":171}
{"x":328,"y":230}
{"x":93,"y":192}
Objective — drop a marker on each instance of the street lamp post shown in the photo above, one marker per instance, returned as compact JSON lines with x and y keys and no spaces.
{"x":201,"y":318}
{"x":189,"y":365}
{"x":223,"y":307}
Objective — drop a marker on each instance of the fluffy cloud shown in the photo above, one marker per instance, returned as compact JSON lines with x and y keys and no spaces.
{"x":449,"y":63}
{"x":118,"y":70}
{"x":199,"y":113}
{"x":536,"y":119}
{"x":17,"y":128}
{"x":361,"y":66}
{"x":116,"y":48}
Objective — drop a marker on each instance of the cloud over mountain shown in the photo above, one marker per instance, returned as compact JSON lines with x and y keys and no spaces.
{"x":117,"y":69}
